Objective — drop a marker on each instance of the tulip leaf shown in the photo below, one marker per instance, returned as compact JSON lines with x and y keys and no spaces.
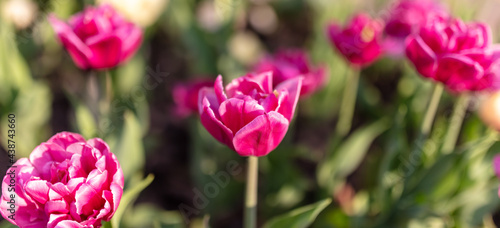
{"x":128,"y":197}
{"x":85,"y":121}
{"x":129,"y":148}
{"x":301,"y":217}
{"x":350,"y":154}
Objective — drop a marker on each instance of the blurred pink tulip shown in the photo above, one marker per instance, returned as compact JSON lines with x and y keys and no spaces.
{"x":98,"y":38}
{"x":406,"y":17}
{"x":185,"y":95}
{"x":250,"y":117}
{"x":454,"y":53}
{"x":359,"y":41}
{"x":66,"y":182}
{"x":289,"y":64}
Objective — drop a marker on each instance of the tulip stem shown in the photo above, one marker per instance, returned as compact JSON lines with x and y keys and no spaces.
{"x":455,"y":124}
{"x":432,"y":107}
{"x":250,"y":220}
{"x":348,"y":103}
{"x":106,"y":94}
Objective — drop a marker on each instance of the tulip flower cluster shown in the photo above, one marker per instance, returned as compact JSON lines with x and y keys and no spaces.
{"x":445,"y":49}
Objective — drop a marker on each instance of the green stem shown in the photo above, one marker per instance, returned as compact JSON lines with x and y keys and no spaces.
{"x":251,"y":193}
{"x":348,"y":104}
{"x":432,"y":107}
{"x":105,"y":99}
{"x":455,"y":124}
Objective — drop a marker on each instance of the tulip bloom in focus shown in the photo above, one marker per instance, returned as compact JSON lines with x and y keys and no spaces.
{"x":406,"y":18}
{"x":290,"y":64}
{"x":250,"y":117}
{"x":66,"y":182}
{"x":454,"y":53}
{"x":98,"y":38}
{"x":359,"y":41}
{"x":185,"y":95}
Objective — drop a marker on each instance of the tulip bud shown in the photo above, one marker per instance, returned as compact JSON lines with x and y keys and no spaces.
{"x":490,"y":111}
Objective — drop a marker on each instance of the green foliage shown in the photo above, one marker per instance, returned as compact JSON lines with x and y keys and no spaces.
{"x":299,"y":218}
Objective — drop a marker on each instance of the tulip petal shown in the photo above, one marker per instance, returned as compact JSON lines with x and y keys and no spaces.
{"x":211,"y":119}
{"x":77,"y":49}
{"x":64,"y":139}
{"x":262,"y":135}
{"x":219,"y":90}
{"x":56,"y":206}
{"x":236,"y":113}
{"x":245,"y":86}
{"x":292,"y":86}
{"x":106,"y":50}
{"x":421,"y":56}
{"x":38,"y":190}
{"x":131,"y":37}
{"x":458,"y":72}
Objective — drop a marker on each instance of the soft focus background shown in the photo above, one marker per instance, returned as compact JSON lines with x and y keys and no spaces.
{"x":188,"y":39}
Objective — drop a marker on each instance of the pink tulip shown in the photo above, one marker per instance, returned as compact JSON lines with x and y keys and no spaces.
{"x":250,"y":117}
{"x":185,"y":96}
{"x":290,"y":64}
{"x":454,"y":53}
{"x":66,"y":182}
{"x":406,"y":17}
{"x":360,"y":41}
{"x":98,"y":38}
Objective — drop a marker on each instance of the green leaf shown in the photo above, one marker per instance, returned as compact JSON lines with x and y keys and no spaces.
{"x":301,"y":217}
{"x":350,"y":154}
{"x":128,"y":78}
{"x":128,"y":197}
{"x":129,"y":148}
{"x":85,"y":121}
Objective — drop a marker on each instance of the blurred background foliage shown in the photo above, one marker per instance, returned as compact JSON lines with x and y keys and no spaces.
{"x":371,"y":175}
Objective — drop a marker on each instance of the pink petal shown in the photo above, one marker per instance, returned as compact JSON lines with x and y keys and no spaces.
{"x":79,"y":52}
{"x":214,"y":125}
{"x":262,"y":135}
{"x":236,"y":113}
{"x":292,"y":86}
{"x":458,"y":72}
{"x":421,"y":56}
{"x":38,"y":190}
{"x":87,"y":200}
{"x":68,"y":224}
{"x":106,"y":51}
{"x":219,"y":89}
{"x":64,"y":139}
{"x":131,"y":37}
{"x":56,"y":206}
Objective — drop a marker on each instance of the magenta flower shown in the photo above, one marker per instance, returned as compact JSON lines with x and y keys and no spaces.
{"x":360,"y":41}
{"x":250,"y":117}
{"x":98,"y":38}
{"x":185,"y":95}
{"x":290,"y":64}
{"x":66,"y":182}
{"x":454,"y":53}
{"x":406,"y":17}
